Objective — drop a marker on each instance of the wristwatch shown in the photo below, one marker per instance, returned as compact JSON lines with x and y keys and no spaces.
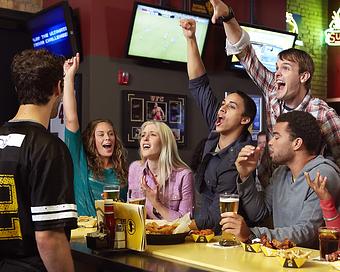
{"x":227,"y":18}
{"x":251,"y":237}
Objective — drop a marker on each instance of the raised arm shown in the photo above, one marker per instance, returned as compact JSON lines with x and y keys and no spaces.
{"x":232,"y":29}
{"x":69,"y":99}
{"x":195,"y":64}
{"x":54,"y":250}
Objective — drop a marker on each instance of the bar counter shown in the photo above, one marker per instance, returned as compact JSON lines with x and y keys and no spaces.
{"x":189,"y":256}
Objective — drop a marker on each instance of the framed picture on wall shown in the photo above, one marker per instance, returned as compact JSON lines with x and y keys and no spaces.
{"x":139,"y":107}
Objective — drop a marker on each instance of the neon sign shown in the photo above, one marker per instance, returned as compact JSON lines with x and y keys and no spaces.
{"x":333,"y":32}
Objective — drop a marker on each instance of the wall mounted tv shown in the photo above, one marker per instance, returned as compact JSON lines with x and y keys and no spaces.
{"x":54,"y":29}
{"x":267,"y":44}
{"x":156,"y":36}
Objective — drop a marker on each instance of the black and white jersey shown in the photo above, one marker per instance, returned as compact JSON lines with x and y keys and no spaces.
{"x":36,"y":187}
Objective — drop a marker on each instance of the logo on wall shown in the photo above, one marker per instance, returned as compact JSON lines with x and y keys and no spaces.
{"x":333,"y":32}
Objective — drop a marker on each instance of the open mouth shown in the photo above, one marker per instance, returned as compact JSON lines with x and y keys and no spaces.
{"x":107,"y":146}
{"x":146,"y":146}
{"x":280,"y":84}
{"x":219,"y":120}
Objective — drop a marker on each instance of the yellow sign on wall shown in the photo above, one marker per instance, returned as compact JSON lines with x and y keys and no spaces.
{"x":333,"y":32}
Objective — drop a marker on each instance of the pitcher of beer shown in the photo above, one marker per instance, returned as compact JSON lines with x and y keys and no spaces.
{"x":228,"y":203}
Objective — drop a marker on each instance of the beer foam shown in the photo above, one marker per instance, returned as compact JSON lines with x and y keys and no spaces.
{"x":111,"y":191}
{"x":229,"y":200}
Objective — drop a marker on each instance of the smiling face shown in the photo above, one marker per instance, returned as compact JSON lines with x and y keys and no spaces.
{"x":229,"y":116}
{"x":288,"y":80}
{"x":150,"y":142}
{"x":105,"y":139}
{"x":281,"y":145}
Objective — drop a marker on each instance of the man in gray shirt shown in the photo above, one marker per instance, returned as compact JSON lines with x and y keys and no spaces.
{"x":295,"y":207}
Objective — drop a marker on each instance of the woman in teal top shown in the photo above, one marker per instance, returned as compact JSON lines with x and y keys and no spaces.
{"x":98,"y":155}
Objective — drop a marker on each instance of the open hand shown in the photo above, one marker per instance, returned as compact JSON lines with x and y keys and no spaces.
{"x":247,"y":159}
{"x":318,"y":185}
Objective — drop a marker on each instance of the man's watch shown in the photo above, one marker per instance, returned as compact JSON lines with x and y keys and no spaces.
{"x":227,"y":18}
{"x":251,"y":237}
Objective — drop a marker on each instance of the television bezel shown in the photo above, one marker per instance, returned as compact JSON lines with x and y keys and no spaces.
{"x":236,"y":65}
{"x":157,"y":61}
{"x":71,"y":25}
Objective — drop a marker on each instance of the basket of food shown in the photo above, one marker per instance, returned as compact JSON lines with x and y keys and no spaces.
{"x":293,"y":258}
{"x":161,"y":232}
{"x":202,"y":236}
{"x":252,"y":246}
{"x":271,"y":248}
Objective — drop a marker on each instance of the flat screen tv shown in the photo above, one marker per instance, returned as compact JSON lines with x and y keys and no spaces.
{"x":156,"y":36}
{"x":267,"y":44}
{"x":54,"y":29}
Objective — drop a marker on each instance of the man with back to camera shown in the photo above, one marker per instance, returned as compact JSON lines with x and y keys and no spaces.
{"x":228,"y":125}
{"x":294,"y":205}
{"x":37,"y":208}
{"x":289,"y":88}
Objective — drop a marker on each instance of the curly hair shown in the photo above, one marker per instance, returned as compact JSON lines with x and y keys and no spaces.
{"x":35,"y":73}
{"x":303,"y":125}
{"x":95,"y":163}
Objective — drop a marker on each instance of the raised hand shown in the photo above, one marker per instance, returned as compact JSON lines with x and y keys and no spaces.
{"x":71,"y":66}
{"x":188,"y":27}
{"x":247,"y":160}
{"x":151,"y":194}
{"x":220,"y":9}
{"x":318,"y":185}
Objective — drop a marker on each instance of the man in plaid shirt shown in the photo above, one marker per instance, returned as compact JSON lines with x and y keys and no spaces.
{"x":288,"y":88}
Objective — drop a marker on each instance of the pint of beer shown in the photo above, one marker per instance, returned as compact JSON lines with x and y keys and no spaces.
{"x":111,"y":192}
{"x":228,"y":203}
{"x":138,"y":201}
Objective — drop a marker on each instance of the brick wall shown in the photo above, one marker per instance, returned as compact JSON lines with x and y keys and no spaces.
{"x":22,"y":5}
{"x":314,"y":21}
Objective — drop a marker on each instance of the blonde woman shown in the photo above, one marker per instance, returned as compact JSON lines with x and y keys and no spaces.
{"x":161,"y":176}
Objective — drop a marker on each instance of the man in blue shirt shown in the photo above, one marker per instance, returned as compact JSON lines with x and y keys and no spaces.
{"x":228,"y":125}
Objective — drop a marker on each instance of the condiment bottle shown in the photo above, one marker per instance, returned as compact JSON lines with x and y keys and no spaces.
{"x":109,"y":221}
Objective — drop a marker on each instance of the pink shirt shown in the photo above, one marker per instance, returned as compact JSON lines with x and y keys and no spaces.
{"x":177,"y":197}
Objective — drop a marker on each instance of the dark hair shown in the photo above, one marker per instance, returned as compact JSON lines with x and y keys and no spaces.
{"x":262,"y":133}
{"x":249,"y":107}
{"x":35,"y":74}
{"x":118,"y":156}
{"x":303,"y":125}
{"x":302,"y":58}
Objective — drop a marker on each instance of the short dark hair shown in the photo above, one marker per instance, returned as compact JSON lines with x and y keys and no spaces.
{"x":303,"y":125}
{"x":302,"y":58}
{"x":249,"y":107}
{"x":35,"y":73}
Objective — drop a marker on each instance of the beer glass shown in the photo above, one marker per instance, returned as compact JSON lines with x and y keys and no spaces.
{"x":328,"y":240}
{"x":228,"y":203}
{"x":111,"y":192}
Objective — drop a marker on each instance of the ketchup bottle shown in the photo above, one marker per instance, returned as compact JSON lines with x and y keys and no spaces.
{"x":110,"y":221}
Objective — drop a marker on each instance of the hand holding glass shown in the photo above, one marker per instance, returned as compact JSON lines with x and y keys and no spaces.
{"x":229,"y":203}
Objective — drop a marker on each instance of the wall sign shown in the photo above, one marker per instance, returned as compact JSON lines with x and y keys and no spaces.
{"x":333,"y":32}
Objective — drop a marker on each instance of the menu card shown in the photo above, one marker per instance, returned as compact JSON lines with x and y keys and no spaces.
{"x":134,"y":217}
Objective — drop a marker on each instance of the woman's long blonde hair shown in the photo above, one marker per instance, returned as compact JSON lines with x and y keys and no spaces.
{"x":169,"y":158}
